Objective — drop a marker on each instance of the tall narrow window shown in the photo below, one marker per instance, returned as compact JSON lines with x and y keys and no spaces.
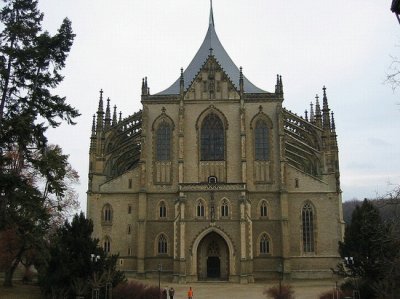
{"x":107,"y":213}
{"x":107,"y":245}
{"x":212,"y":139}
{"x":163,"y":210}
{"x":162,"y":244}
{"x":200,"y":209}
{"x":264,"y":244}
{"x":261,"y":141}
{"x":264,"y":209}
{"x":307,"y":216}
{"x":129,"y":229}
{"x":163,"y":142}
{"x":224,"y":208}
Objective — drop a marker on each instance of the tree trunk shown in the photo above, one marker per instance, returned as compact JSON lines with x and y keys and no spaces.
{"x":9,"y":273}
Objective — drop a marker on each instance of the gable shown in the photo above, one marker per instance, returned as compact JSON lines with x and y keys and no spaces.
{"x":211,"y":83}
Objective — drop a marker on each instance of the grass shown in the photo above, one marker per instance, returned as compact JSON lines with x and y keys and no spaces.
{"x":20,"y":291}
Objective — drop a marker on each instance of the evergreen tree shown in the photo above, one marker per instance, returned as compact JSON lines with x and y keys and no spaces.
{"x":31,"y":61}
{"x":365,"y":241}
{"x":71,"y":260}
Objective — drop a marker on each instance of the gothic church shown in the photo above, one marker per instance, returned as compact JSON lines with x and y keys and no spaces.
{"x":215,"y":180}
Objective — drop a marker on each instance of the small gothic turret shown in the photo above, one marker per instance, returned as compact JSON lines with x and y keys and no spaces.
{"x":114,"y":120}
{"x":306,"y":115}
{"x":318,"y":115}
{"x":325,"y":112}
{"x":181,"y":83}
{"x":145,"y":88}
{"x":241,"y":84}
{"x":279,"y":85}
{"x":107,"y":119}
{"x":312,"y":118}
{"x":100,"y":114}
{"x":333,"y":132}
{"x":93,"y":135}
{"x":120,"y":116}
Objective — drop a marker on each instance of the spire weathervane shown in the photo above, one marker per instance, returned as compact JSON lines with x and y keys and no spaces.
{"x":211,"y":15}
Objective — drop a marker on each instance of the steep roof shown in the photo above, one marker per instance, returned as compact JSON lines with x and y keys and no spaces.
{"x":211,"y":46}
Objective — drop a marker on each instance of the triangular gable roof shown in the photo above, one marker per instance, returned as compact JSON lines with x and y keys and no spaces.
{"x":211,"y":45}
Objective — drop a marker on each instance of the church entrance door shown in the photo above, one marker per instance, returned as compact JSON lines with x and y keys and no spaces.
{"x":213,"y":267}
{"x":213,"y":258}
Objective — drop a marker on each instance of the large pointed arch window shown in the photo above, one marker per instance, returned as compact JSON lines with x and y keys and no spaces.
{"x":163,"y":142}
{"x":261,"y":141}
{"x":212,"y":139}
{"x":307,"y":215}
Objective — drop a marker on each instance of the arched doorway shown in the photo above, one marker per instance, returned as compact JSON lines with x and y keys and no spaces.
{"x":213,"y":258}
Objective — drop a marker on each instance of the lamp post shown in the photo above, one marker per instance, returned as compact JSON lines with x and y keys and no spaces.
{"x":159,"y":279}
{"x":349,"y":261}
{"x":95,"y":290}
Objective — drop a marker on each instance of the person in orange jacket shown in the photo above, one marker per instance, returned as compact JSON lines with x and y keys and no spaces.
{"x":190,"y":293}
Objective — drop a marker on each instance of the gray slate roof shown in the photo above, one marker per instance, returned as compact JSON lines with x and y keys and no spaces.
{"x":211,"y":41}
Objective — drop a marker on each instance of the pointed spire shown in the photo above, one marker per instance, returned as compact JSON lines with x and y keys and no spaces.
{"x":325,"y":111}
{"x":114,"y":120}
{"x":145,"y":88}
{"x":211,"y":21}
{"x":280,"y":84}
{"x":94,"y":125}
{"x":312,"y":119}
{"x":120,"y":116}
{"x":107,"y":119}
{"x":333,"y":122}
{"x":182,"y":82}
{"x":318,"y":115}
{"x":306,"y":115}
{"x":100,"y":113}
{"x":241,"y":84}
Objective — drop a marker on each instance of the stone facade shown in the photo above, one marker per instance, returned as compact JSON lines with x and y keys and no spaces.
{"x":214,"y":180}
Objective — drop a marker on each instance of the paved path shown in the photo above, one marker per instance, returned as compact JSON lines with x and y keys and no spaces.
{"x":310,"y":289}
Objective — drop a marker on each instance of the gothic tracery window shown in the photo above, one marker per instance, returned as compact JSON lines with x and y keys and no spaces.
{"x":212,"y":139}
{"x":200,"y":209}
{"x":162,"y":244}
{"x":163,"y":142}
{"x":224,"y":208}
{"x":307,"y":216}
{"x":264,"y":244}
{"x":263,"y":209}
{"x":261,"y":142}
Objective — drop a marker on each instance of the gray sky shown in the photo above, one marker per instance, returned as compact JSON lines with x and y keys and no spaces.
{"x":344,"y":44}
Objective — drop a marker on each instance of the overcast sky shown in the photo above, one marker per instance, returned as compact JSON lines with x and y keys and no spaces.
{"x":345,"y":45}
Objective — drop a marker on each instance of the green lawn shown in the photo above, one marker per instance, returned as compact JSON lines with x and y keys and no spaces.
{"x":20,"y":291}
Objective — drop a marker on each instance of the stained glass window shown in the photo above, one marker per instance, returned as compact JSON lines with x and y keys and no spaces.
{"x":264,"y":244}
{"x":307,"y":216}
{"x":261,"y":141}
{"x":163,"y":142}
{"x":212,"y":139}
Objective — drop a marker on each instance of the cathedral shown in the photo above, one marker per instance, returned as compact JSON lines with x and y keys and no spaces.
{"x":213,"y":179}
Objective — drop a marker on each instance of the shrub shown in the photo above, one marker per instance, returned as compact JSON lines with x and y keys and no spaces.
{"x":285,"y":291}
{"x":135,"y":290}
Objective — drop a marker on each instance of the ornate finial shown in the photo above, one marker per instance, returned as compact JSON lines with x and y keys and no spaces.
{"x":114,"y":120}
{"x":306,"y":115}
{"x":312,"y":119}
{"x":211,"y":21}
{"x":324,"y":89}
{"x":93,"y":125}
{"x":163,"y":110}
{"x":211,"y":51}
{"x":241,"y":82}
{"x":181,"y":82}
{"x":107,"y":119}
{"x":100,"y":109}
{"x":333,"y":122}
{"x":101,"y":93}
{"x":120,"y":116}
{"x":241,"y":73}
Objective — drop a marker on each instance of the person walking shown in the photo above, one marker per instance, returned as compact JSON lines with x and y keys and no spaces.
{"x":171,"y":293}
{"x":190,"y":293}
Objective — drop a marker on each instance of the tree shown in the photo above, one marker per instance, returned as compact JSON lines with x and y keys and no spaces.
{"x":71,"y":264}
{"x":31,"y":61}
{"x":367,"y":242}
